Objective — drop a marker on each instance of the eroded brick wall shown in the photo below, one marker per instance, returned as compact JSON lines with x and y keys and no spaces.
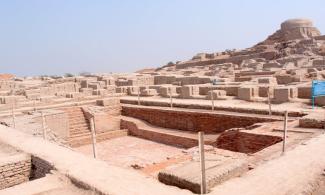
{"x":168,"y":139}
{"x":192,"y":121}
{"x":108,"y":117}
{"x":40,"y":168}
{"x":245,"y":142}
{"x":313,"y":120}
{"x":14,"y":170}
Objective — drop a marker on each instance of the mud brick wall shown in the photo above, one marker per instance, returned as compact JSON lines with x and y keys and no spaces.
{"x":313,"y":120}
{"x":58,"y":123}
{"x":304,"y":92}
{"x":230,"y":90}
{"x":108,"y":119}
{"x":192,"y":121}
{"x":40,"y":168}
{"x":14,"y":170}
{"x":173,"y":140}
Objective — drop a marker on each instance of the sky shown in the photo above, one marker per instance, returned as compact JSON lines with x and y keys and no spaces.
{"x":54,"y":37}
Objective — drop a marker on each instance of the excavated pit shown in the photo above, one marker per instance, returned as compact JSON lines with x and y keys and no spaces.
{"x":243,"y":142}
{"x":194,"y":120}
{"x":179,"y":127}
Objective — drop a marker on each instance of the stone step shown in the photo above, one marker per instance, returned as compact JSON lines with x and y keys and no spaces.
{"x":76,"y":116}
{"x":78,"y":130}
{"x":178,"y":138}
{"x":85,"y":140}
{"x":75,"y":113}
{"x":75,"y":122}
{"x":79,"y":135}
{"x":79,"y":125}
{"x":74,"y":110}
{"x":87,"y":126}
{"x":78,"y":119}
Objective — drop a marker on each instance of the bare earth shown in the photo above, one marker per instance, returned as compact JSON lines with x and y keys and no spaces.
{"x":127,"y":151}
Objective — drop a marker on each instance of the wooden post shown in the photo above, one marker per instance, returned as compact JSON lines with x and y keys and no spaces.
{"x":285,"y":131}
{"x":269,"y":100}
{"x":93,"y":136}
{"x":170,"y":97}
{"x":43,"y":125}
{"x":139,"y":96}
{"x":34,"y":104}
{"x":324,"y":128}
{"x":202,"y":162}
{"x":212,"y":100}
{"x":13,"y":115}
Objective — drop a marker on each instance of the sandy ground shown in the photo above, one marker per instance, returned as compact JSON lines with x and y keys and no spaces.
{"x":51,"y":184}
{"x":293,"y":173}
{"x":29,"y":124}
{"x":321,"y":189}
{"x":127,"y":151}
{"x":6,"y":150}
{"x":25,"y":123}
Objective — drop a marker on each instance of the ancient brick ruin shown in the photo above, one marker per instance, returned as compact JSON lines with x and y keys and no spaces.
{"x":142,"y":128}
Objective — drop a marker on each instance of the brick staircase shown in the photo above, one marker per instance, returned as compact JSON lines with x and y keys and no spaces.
{"x":79,"y":125}
{"x":80,"y":132}
{"x":85,"y":140}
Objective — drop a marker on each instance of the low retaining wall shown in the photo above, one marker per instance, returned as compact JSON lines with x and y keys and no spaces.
{"x":192,"y":121}
{"x":187,"y":175}
{"x":14,"y":170}
{"x":84,"y":140}
{"x":313,"y":120}
{"x":168,"y":139}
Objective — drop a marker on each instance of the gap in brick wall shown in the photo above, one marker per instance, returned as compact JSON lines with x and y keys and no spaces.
{"x":243,"y":142}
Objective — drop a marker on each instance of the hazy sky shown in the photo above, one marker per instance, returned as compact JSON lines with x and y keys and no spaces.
{"x":60,"y":36}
